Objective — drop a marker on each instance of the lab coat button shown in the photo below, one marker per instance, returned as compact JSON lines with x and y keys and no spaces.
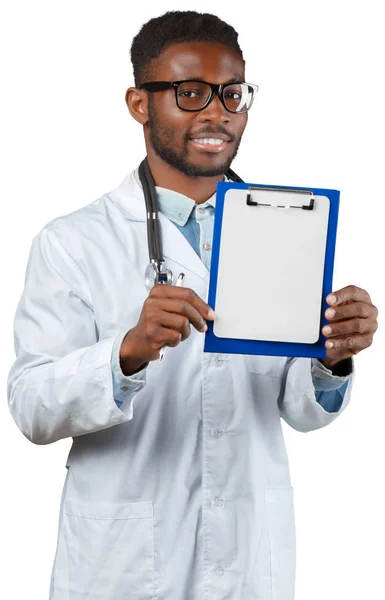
{"x":216,"y":433}
{"x":207,"y":247}
{"x":218,"y":501}
{"x":219,"y":571}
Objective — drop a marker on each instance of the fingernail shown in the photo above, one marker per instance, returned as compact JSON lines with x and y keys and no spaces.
{"x":326,"y":330}
{"x":329,"y":344}
{"x":331,"y":299}
{"x":204,"y":328}
{"x":330,"y":313}
{"x":211,"y":314}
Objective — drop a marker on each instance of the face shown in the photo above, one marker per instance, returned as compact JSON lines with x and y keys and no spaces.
{"x":171,"y":131}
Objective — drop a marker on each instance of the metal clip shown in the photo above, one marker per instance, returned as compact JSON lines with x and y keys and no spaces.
{"x":309,"y":193}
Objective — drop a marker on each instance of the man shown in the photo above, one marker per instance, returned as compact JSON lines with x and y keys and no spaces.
{"x":178,"y":485}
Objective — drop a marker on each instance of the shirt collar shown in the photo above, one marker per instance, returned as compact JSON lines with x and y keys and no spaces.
{"x":178,"y":207}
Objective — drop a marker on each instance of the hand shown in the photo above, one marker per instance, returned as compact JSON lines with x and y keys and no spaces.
{"x":164,"y":321}
{"x":353,"y":322}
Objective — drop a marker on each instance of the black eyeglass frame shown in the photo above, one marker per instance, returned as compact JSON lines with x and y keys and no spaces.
{"x":158,"y":86}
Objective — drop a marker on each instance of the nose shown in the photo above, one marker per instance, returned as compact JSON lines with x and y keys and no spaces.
{"x":215,"y":111}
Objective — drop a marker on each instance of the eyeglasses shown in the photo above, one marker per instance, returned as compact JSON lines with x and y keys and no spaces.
{"x":193,"y":95}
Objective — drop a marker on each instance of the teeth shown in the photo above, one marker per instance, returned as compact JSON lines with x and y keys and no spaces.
{"x":212,"y":141}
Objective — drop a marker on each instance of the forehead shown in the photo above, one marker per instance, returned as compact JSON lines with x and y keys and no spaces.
{"x":215,"y":63}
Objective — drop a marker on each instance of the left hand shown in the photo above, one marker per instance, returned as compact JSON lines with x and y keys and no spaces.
{"x":353,"y":322}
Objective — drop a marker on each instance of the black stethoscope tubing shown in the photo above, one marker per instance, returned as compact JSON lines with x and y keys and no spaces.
{"x":153,"y":233}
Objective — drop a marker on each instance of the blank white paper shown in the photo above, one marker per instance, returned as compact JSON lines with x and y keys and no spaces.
{"x":271,"y":268}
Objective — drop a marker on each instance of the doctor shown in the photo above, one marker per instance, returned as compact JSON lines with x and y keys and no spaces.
{"x":177,"y":485}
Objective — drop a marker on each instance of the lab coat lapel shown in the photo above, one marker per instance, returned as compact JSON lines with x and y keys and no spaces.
{"x":177,"y":248}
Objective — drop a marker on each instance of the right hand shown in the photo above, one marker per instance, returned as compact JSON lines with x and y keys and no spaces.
{"x":164,"y":321}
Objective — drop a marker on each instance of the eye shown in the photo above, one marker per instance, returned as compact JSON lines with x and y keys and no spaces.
{"x":233,"y":95}
{"x":189,"y":93}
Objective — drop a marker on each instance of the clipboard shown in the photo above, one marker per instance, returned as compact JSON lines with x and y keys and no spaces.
{"x":271,"y":269}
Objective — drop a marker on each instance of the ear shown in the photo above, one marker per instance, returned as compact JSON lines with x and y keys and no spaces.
{"x":136,"y":101}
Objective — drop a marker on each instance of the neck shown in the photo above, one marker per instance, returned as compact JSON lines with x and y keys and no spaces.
{"x":199,"y":189}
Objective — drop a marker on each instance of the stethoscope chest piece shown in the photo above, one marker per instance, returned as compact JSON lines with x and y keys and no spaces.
{"x":156,"y":274}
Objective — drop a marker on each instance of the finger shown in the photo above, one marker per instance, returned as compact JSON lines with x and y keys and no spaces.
{"x":159,"y":336}
{"x":176,"y":322}
{"x":184,"y":294}
{"x":178,"y":307}
{"x":348,"y":293}
{"x":348,"y":327}
{"x":344,"y":347}
{"x":168,"y":337}
{"x":360,"y":310}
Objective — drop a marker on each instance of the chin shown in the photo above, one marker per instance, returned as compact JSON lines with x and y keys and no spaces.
{"x":209,"y":165}
{"x":205,"y":170}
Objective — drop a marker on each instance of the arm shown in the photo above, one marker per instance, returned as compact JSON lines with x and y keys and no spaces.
{"x":60,"y":384}
{"x":352,"y":324}
{"x":298,"y":402}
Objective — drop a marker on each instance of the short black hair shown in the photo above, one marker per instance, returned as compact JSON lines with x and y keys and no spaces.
{"x":175,"y":27}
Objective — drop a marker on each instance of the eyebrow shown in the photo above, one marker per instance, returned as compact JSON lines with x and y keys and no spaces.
{"x":232,"y":80}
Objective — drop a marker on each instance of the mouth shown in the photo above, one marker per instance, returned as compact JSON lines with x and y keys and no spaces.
{"x":212,"y":145}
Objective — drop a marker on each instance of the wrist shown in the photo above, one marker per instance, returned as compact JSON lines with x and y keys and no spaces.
{"x":328,"y":363}
{"x":130,"y":361}
{"x":340,"y":368}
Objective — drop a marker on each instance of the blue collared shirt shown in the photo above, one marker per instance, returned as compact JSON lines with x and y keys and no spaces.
{"x":195,"y":221}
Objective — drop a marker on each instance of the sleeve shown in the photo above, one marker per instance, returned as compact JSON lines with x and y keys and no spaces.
{"x":60,"y":384}
{"x":124,"y":385}
{"x":297,"y":400}
{"x":329,"y":387}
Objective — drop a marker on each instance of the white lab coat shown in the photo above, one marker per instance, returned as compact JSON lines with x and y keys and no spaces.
{"x":184,"y":493}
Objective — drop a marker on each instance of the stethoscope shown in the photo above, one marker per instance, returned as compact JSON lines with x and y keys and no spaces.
{"x":156,"y":271}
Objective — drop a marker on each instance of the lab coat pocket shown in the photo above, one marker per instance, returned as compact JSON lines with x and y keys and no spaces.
{"x":265,"y":365}
{"x":105,"y":551}
{"x":281,"y":523}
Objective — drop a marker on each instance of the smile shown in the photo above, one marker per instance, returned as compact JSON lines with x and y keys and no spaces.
{"x":209,"y":144}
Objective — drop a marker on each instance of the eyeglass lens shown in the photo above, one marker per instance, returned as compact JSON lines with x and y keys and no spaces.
{"x":193,"y":95}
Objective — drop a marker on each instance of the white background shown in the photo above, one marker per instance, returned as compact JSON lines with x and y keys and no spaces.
{"x":318,"y":120}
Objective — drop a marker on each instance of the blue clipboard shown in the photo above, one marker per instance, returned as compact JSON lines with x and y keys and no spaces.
{"x":229,"y":345}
